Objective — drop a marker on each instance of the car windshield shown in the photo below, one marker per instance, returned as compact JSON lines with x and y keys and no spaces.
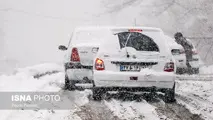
{"x":138,"y":41}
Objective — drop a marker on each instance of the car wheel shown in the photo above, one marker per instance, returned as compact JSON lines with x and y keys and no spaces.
{"x":195,"y":70}
{"x":69,"y":84}
{"x":170,"y":95}
{"x":98,"y":93}
{"x":180,"y":71}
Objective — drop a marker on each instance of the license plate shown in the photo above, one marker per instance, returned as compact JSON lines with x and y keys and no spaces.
{"x":130,"y":68}
{"x":195,"y":59}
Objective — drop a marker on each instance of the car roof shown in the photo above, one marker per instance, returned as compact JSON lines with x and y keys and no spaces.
{"x":175,"y":46}
{"x":117,"y":28}
{"x":172,"y":44}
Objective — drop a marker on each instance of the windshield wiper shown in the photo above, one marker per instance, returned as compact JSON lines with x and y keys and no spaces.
{"x":127,"y":54}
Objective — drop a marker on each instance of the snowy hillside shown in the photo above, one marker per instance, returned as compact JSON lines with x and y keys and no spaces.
{"x":31,"y":30}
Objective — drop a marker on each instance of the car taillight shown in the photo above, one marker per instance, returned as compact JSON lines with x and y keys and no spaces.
{"x":99,"y":64}
{"x":169,"y":67}
{"x":135,"y":30}
{"x":74,"y":55}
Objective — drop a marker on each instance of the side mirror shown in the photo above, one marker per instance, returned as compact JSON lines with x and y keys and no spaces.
{"x":62,"y":47}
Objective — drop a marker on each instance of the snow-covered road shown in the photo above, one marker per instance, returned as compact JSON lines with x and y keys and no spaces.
{"x":194,"y":99}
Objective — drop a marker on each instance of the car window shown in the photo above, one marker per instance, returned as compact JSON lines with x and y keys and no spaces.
{"x":138,"y":41}
{"x":176,"y":52}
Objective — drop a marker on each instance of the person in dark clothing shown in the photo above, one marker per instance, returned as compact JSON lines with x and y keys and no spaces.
{"x":186,"y":45}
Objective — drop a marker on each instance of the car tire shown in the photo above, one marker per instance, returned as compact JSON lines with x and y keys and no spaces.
{"x":180,"y":71}
{"x":170,"y":95}
{"x":98,"y":93}
{"x":69,"y":84}
{"x":195,"y":70}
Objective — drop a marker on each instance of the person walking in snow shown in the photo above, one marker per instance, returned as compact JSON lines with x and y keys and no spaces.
{"x":187,"y":47}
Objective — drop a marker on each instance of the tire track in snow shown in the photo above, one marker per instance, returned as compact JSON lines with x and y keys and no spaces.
{"x":132,"y":110}
{"x":96,"y":111}
{"x":197,"y":105}
{"x":174,"y":111}
{"x":188,"y":94}
{"x":125,"y":110}
{"x":101,"y":111}
{"x":128,"y":108}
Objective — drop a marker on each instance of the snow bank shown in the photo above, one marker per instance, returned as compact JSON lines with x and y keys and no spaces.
{"x":206,"y":70}
{"x":39,"y":115}
{"x":40,"y":69}
{"x":196,"y":96}
{"x":204,"y":89}
{"x":77,"y":99}
{"x":23,"y":79}
{"x":132,"y":110}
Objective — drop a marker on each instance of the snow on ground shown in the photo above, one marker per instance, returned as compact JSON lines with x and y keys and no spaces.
{"x":40,"y":115}
{"x":200,"y":88}
{"x":77,"y":99}
{"x":132,"y":110}
{"x":206,"y":74}
{"x":40,"y":69}
{"x":206,"y":69}
{"x":196,"y":96}
{"x":23,"y":81}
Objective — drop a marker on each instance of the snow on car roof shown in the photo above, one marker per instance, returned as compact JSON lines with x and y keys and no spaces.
{"x":171,"y":42}
{"x":117,"y":28}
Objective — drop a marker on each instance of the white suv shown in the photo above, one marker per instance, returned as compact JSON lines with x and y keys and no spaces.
{"x":133,"y":59}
